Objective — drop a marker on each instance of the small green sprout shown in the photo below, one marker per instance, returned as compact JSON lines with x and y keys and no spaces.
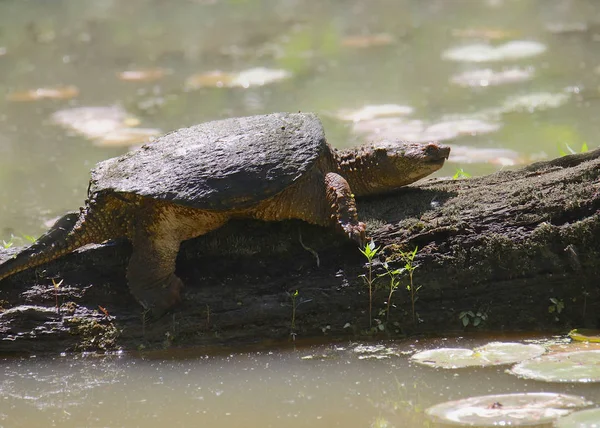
{"x":570,"y":151}
{"x":556,"y":307}
{"x":460,"y":173}
{"x":410,"y":266}
{"x":394,"y":283}
{"x":296,"y":301}
{"x":294,"y":296}
{"x":369,"y":252}
{"x":56,"y":288}
{"x":473,"y":318}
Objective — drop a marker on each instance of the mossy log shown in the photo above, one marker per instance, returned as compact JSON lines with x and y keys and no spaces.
{"x":515,"y":250}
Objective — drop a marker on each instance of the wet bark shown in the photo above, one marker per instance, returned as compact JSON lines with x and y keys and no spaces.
{"x":512,"y":250}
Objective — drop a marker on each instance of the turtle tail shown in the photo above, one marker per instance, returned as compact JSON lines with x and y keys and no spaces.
{"x":71,"y":231}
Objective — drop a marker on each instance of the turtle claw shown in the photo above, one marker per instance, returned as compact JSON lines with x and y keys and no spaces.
{"x":161,"y":299}
{"x":357,"y":232}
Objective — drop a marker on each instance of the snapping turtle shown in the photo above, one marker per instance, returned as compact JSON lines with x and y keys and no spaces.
{"x":191,"y":181}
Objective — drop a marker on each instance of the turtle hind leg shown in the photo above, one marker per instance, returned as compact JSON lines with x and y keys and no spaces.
{"x":151,"y":270}
{"x":156,"y":238}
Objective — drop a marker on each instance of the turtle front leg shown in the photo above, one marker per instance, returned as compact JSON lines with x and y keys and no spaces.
{"x":343,"y":207}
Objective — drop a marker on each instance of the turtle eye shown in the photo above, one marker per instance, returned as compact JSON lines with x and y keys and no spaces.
{"x":432,"y":148}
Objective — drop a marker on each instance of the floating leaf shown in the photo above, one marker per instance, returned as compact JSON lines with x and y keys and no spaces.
{"x":509,"y":352}
{"x":107,"y":126}
{"x":573,"y":346}
{"x":370,"y":112}
{"x":534,"y":102}
{"x":489,"y":77}
{"x":580,"y":366}
{"x":506,"y":409}
{"x":258,"y":77}
{"x":582,"y":419}
{"x":127,"y":137}
{"x":94,"y":122}
{"x":487,"y":53}
{"x":244,"y":79}
{"x":463,"y":127}
{"x":216,"y":79}
{"x":368,"y":40}
{"x":418,"y":131}
{"x":483,"y":33}
{"x":56,"y":93}
{"x":585,"y":335}
{"x":149,"y":75}
{"x":567,"y":27}
{"x":494,"y":156}
{"x":494,"y":353}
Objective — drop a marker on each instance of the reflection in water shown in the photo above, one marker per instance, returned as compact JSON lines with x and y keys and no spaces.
{"x":346,"y":385}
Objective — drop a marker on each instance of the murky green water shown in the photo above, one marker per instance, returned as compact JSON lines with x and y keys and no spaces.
{"x":337,"y":55}
{"x":342,"y":385}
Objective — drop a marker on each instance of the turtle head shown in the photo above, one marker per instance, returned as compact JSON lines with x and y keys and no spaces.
{"x":387,"y":165}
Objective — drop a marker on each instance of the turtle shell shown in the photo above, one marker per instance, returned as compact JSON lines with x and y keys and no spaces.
{"x":220,"y":165}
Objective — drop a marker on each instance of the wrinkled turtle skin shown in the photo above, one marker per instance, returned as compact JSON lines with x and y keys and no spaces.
{"x":193,"y":180}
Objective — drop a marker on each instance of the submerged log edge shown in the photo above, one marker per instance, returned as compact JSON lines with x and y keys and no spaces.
{"x":514,"y":250}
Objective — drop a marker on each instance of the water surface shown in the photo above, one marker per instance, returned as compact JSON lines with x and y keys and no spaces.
{"x":339,"y":55}
{"x":348,"y":384}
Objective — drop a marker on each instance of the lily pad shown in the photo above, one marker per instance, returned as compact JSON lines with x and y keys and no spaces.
{"x":106,"y":126}
{"x":259,"y":76}
{"x":573,"y":346}
{"x":127,"y":137}
{"x":567,"y":27}
{"x":56,"y":93}
{"x":580,"y":366}
{"x":526,"y":409}
{"x":419,"y":131}
{"x":370,"y":112}
{"x":148,"y":75}
{"x":94,"y":122}
{"x":483,"y":33}
{"x":585,"y":335}
{"x":534,"y":102}
{"x":492,"y":354}
{"x":490,"y":155}
{"x":486,"y":53}
{"x":582,"y":419}
{"x":489,"y":77}
{"x":368,"y":40}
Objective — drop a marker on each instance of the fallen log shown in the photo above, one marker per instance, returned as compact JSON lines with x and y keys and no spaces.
{"x":511,"y":250}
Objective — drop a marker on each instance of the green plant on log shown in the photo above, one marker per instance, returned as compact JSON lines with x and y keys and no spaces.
{"x":56,"y":288}
{"x":409,"y":266}
{"x":556,"y":307}
{"x":474,"y":318}
{"x":569,"y":151}
{"x":15,"y":240}
{"x":370,"y":251}
{"x":294,"y":296}
{"x":296,"y":301}
{"x":460,"y":173}
{"x":394,"y":275}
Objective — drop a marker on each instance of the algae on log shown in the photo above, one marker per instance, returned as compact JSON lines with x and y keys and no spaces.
{"x":502,"y":245}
